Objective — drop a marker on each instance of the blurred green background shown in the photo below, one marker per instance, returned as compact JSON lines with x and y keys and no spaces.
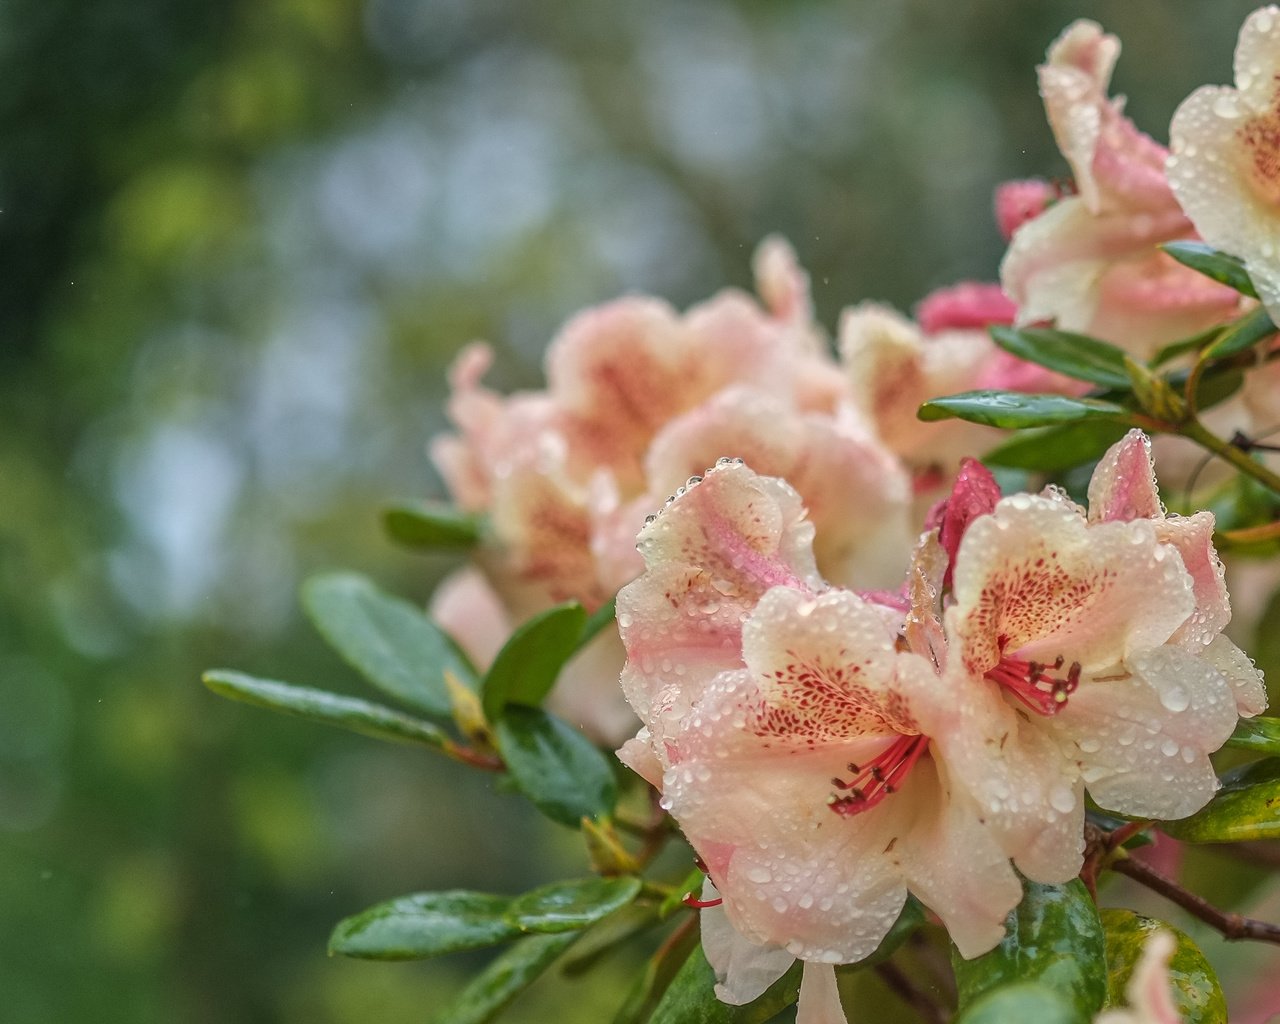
{"x":241,"y":240}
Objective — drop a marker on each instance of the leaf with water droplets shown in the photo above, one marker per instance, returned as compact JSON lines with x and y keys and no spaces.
{"x":1075,"y":355}
{"x":1053,"y":937}
{"x":566,"y":906}
{"x":1246,"y":807}
{"x":1027,"y":1001}
{"x":1014,"y":410}
{"x":1196,"y":992}
{"x":425,"y":924}
{"x":1219,"y":266}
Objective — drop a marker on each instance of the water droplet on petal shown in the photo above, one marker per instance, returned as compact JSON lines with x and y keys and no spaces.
{"x":1175,"y":697}
{"x":759,"y":874}
{"x":1062,"y":797}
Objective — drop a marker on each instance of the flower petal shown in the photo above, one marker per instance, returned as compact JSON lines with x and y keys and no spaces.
{"x":1143,"y":739}
{"x":1123,"y":485}
{"x":743,"y":969}
{"x":1238,"y":669}
{"x":1032,"y":580}
{"x":819,"y":1001}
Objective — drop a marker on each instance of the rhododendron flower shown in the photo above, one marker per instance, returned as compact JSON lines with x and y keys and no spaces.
{"x":1089,"y":262}
{"x":1085,"y":651}
{"x":1225,"y":165}
{"x":638,"y":398}
{"x":783,"y":724}
{"x":1149,"y":989}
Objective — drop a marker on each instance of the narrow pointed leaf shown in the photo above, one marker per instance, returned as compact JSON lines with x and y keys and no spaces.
{"x":1261,"y":735}
{"x":1075,"y":355}
{"x":525,"y":669}
{"x":327,"y":708}
{"x":432,"y":525}
{"x":1024,"y":1002}
{"x":1221,"y":267}
{"x":424,"y":925}
{"x":506,"y":976}
{"x":569,"y":906}
{"x":1246,"y":807}
{"x":1243,"y":334}
{"x":390,"y":642}
{"x":1053,"y":449}
{"x":691,"y":998}
{"x":1195,"y":989}
{"x":1013,"y":410}
{"x":555,"y":766}
{"x":1053,"y":937}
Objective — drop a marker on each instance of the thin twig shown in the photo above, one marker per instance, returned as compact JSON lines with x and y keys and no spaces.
{"x":1232,"y":926}
{"x":904,"y":989}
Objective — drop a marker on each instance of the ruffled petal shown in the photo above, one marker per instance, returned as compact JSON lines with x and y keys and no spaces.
{"x":1143,"y":733}
{"x":1033,"y":580}
{"x":744,"y":970}
{"x":1238,"y":669}
{"x":1123,"y":485}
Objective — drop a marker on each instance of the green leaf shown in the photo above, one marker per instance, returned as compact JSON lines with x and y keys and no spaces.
{"x":1246,"y":807}
{"x":1012,"y":409}
{"x":660,"y":970}
{"x":432,"y":525}
{"x":1053,"y":937}
{"x":691,"y":998}
{"x":1261,"y":735}
{"x":910,"y":919}
{"x":601,"y":618}
{"x":569,"y":906}
{"x":506,"y":976}
{"x":1196,"y":992}
{"x":1243,"y":334}
{"x":1075,"y":355}
{"x":525,"y":669}
{"x":1219,"y":266}
{"x":1026,"y":1001}
{"x":324,"y":707}
{"x":425,"y":924}
{"x":555,"y":766}
{"x":389,"y":641}
{"x":1053,"y":449}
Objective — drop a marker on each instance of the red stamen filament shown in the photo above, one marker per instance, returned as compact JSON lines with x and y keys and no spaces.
{"x":689,"y":900}
{"x":879,"y":778}
{"x":1030,"y":682}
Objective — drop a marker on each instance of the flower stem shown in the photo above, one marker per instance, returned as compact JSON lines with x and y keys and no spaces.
{"x":1196,"y":431}
{"x":1232,"y":926}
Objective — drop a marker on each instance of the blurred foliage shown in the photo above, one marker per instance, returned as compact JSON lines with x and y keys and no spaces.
{"x":241,"y":241}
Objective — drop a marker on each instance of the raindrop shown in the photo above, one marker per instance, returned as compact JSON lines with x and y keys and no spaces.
{"x":1175,"y":697}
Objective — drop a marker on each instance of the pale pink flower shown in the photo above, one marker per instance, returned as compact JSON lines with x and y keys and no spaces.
{"x":1089,"y":262}
{"x":1017,"y":202}
{"x":638,"y":398}
{"x":1225,"y":166}
{"x":1149,"y":989}
{"x":1086,"y":652}
{"x":783,"y":724}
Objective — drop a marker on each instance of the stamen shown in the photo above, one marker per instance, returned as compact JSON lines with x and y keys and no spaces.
{"x":1032,"y":684}
{"x":689,"y":900}
{"x":879,"y":778}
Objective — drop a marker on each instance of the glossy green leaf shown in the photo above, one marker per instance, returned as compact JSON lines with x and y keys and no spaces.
{"x":1026,"y":1002}
{"x":389,"y":641}
{"x":327,"y":708}
{"x":569,"y":906}
{"x":1243,"y":334}
{"x":525,"y":669}
{"x":1246,"y":807}
{"x":1013,"y":410}
{"x":1053,"y":449}
{"x":1195,"y":988}
{"x":555,"y":766}
{"x":506,"y":976}
{"x":432,"y":525}
{"x":650,"y":987}
{"x":1261,"y":735}
{"x":1053,"y":937}
{"x":691,"y":997}
{"x":1074,"y":355}
{"x":1220,"y":266}
{"x":423,"y":925}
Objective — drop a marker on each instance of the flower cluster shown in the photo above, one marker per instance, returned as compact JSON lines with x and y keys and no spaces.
{"x":828,"y":751}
